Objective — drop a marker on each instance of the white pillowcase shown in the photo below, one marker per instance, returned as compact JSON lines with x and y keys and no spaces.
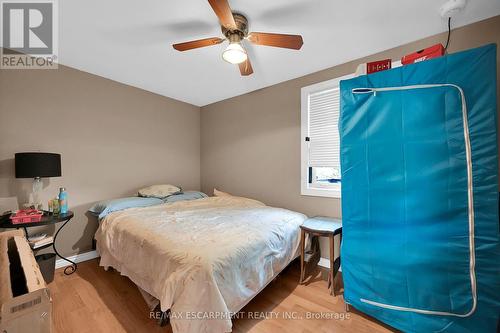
{"x":159,"y":191}
{"x":218,"y":193}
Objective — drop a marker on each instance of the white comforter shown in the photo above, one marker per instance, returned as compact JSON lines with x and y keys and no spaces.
{"x":203,"y":259}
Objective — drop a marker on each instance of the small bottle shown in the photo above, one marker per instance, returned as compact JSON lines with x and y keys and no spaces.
{"x":63,"y":200}
{"x":55,"y":206}
{"x":51,"y":208}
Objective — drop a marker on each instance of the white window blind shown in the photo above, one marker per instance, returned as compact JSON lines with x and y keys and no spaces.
{"x":324,"y":140}
{"x":320,"y":140}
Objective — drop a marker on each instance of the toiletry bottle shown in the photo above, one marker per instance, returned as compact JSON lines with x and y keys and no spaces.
{"x":51,"y":208}
{"x":55,"y":206}
{"x":63,"y":200}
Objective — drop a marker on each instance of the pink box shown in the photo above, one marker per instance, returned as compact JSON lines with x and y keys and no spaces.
{"x":26,"y":216}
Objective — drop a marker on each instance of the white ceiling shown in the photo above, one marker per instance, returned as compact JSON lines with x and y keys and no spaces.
{"x":130,"y":41}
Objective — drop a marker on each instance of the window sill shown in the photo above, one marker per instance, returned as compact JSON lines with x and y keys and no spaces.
{"x":322,"y":192}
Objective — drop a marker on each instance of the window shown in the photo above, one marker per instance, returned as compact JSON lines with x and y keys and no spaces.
{"x":320,"y":151}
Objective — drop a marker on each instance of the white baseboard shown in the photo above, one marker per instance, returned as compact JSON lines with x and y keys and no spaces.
{"x":323,"y":262}
{"x":60,"y":263}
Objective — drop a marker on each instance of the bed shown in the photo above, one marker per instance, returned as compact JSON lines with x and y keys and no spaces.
{"x":203,"y":259}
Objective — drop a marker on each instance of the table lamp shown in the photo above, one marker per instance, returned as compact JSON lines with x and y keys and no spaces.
{"x":37,"y":166}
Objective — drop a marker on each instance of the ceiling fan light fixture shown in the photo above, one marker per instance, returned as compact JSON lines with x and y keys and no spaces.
{"x":234,"y":53}
{"x":234,"y":27}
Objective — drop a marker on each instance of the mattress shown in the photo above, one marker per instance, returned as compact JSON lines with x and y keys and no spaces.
{"x":203,"y":259}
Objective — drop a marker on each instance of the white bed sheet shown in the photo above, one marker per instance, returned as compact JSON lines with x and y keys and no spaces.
{"x":203,"y":259}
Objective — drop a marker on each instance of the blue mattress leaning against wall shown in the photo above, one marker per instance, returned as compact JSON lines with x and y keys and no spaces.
{"x":419,"y":163}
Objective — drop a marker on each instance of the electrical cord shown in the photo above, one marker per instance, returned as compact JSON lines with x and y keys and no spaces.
{"x":449,"y":34}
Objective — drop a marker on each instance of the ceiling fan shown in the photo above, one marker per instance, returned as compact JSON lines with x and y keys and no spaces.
{"x":235,"y":29}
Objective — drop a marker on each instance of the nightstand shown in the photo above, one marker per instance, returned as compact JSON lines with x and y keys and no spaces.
{"x":320,"y":226}
{"x":47,"y":219}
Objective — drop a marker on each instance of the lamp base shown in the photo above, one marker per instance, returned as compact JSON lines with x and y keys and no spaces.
{"x":37,"y":189}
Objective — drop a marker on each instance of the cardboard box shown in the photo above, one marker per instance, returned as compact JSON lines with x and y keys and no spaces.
{"x":373,"y":67}
{"x":25,"y":302}
{"x":431,"y":52}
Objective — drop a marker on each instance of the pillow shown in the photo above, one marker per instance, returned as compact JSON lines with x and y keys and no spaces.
{"x":103,"y":208}
{"x":221,"y":194}
{"x":159,"y":191}
{"x":188,"y":195}
{"x":218,"y":193}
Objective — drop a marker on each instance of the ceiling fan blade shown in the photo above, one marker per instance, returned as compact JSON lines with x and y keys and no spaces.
{"x":197,"y":43}
{"x":246,"y":68}
{"x":224,"y":13}
{"x":277,"y":40}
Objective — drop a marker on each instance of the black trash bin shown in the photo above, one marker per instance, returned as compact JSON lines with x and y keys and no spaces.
{"x":47,"y":263}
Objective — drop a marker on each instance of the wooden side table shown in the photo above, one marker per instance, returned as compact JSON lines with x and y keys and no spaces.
{"x":320,"y":226}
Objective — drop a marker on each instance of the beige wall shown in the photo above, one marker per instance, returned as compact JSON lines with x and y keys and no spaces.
{"x":113,"y":139}
{"x":251,"y":143}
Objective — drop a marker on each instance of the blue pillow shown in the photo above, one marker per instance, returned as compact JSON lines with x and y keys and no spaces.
{"x":103,"y":208}
{"x":187,"y":195}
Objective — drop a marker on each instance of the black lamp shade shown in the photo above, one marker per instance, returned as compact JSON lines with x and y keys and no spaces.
{"x":32,"y":165}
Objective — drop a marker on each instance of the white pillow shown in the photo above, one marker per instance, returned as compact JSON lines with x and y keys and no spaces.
{"x":218,"y":193}
{"x":159,"y":191}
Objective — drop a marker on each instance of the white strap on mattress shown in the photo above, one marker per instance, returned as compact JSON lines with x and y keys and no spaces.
{"x":468,"y":154}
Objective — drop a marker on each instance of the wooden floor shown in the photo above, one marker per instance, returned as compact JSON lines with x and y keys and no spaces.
{"x":93,"y":300}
